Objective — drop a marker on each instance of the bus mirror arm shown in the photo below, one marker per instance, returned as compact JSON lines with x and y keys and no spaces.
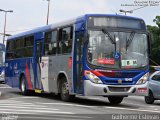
{"x":149,"y":39}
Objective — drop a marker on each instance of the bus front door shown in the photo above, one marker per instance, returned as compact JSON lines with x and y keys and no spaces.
{"x":38,"y":52}
{"x":79,"y":62}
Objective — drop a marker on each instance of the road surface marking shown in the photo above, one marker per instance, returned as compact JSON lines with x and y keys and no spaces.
{"x":27,"y":97}
{"x":13,"y":107}
{"x":23,"y":105}
{"x":5,"y":87}
{"x":35,"y":111}
{"x":48,"y":118}
{"x":66,"y":104}
{"x":133,"y":109}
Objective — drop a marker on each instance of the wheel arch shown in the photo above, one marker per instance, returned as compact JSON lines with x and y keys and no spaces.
{"x":150,"y":90}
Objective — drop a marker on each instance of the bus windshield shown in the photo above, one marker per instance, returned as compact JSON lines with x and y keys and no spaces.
{"x":130,"y":49}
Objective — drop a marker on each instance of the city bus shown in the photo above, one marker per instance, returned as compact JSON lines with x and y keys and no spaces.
{"x":2,"y":63}
{"x":92,"y":55}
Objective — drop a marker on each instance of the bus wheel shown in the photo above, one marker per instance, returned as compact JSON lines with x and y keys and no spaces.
{"x":149,"y":99}
{"x":115,"y":100}
{"x":65,"y":91}
{"x":23,"y":86}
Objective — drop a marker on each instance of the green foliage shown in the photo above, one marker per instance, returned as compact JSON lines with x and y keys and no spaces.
{"x":157,"y":21}
{"x":155,"y":32}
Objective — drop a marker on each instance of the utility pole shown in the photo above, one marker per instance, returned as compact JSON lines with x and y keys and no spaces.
{"x":48,"y":11}
{"x":5,"y":21}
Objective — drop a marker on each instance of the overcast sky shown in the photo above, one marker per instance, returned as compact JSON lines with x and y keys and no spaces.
{"x":29,"y":14}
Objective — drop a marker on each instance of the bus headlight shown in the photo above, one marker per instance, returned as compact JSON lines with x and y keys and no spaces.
{"x":93,"y":78}
{"x":143,"y":79}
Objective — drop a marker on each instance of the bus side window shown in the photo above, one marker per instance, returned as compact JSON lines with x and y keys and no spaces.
{"x":28,"y":46}
{"x":65,"y":40}
{"x":51,"y":42}
{"x":10,"y":50}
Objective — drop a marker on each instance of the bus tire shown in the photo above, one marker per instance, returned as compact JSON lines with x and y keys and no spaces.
{"x":115,"y":100}
{"x":150,"y":98}
{"x":23,"y":86}
{"x":64,"y":91}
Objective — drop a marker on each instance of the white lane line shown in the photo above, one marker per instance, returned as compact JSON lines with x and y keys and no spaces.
{"x":14,"y":107}
{"x":49,"y":118}
{"x":23,"y":98}
{"x":35,"y":111}
{"x":5,"y":87}
{"x":91,"y":98}
{"x":11,"y":100}
{"x":1,"y":102}
{"x":154,"y":106}
{"x":133,"y":109}
{"x":22,"y":105}
{"x":66,"y":104}
{"x":39,"y":118}
{"x":15,"y":103}
{"x":28,"y":97}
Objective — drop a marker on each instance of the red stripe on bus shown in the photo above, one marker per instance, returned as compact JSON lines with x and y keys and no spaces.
{"x":28,"y":76}
{"x":97,"y":73}
{"x":100,"y":73}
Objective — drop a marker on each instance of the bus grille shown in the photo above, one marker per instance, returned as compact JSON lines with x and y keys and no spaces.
{"x":119,"y":89}
{"x":115,"y":82}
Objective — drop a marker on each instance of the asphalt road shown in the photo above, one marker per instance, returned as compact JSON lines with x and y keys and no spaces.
{"x":15,"y":106}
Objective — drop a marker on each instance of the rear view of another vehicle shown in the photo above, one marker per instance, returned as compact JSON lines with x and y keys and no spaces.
{"x":154,"y":88}
{"x":2,"y":63}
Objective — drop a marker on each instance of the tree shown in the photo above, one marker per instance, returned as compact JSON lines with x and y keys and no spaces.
{"x":155,"y":32}
{"x":157,"y":21}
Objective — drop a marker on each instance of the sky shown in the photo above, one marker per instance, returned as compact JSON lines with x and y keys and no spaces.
{"x":29,"y":14}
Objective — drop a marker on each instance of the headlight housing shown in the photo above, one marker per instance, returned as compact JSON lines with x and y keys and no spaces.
{"x":2,"y":73}
{"x":92,"y":77}
{"x":143,"y":79}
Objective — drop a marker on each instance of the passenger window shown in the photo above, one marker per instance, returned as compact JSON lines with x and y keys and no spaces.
{"x":65,"y":41}
{"x":51,"y":43}
{"x":27,"y":51}
{"x":10,"y":45}
{"x":29,"y":41}
{"x":10,"y":51}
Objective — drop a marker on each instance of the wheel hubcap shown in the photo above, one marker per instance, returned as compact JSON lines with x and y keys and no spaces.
{"x":65,"y":89}
{"x":23,"y":86}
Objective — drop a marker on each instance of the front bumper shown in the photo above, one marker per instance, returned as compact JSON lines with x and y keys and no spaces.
{"x":92,"y":89}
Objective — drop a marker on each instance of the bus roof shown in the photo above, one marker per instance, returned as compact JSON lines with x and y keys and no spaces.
{"x":52,"y":26}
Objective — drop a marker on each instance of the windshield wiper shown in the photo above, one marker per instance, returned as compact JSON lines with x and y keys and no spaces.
{"x":129,"y":40}
{"x":109,"y":36}
{"x":112,"y":40}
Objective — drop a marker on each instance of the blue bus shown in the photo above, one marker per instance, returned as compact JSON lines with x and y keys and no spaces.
{"x":92,"y":55}
{"x":2,"y":63}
